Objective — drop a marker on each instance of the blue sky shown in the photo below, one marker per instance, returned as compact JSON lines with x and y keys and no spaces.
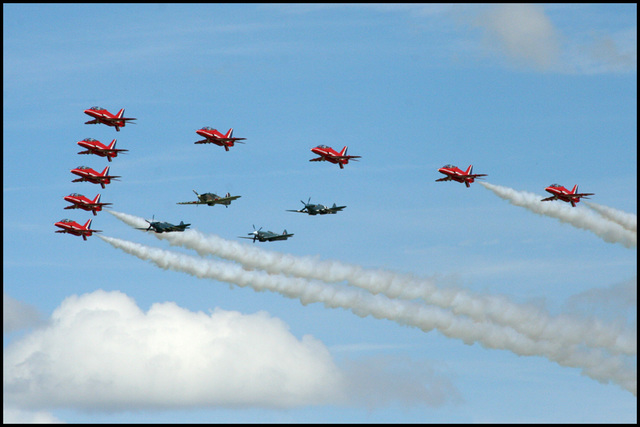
{"x":529,"y":94}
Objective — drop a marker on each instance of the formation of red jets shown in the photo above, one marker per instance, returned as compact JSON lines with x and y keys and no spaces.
{"x":226,"y":140}
{"x":86,"y":174}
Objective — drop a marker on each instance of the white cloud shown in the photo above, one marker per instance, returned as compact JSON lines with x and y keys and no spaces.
{"x":526,"y":36}
{"x":524,"y":33}
{"x":17,"y":315}
{"x":100,"y":351}
{"x":17,"y":416}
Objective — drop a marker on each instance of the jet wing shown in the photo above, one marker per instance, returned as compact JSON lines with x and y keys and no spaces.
{"x":336,"y":209}
{"x":191,"y":203}
{"x":581,"y":195}
{"x":317,"y":159}
{"x":116,"y":119}
{"x":91,"y":205}
{"x":447,"y":178}
{"x":231,"y":140}
{"x":102,"y":151}
{"x":549,"y":198}
{"x":226,"y":199}
{"x":177,"y":227}
{"x":279,"y":237}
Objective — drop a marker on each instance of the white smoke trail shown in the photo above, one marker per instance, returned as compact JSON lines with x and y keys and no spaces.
{"x":525,"y":319}
{"x":594,"y":363}
{"x":625,"y":219}
{"x":609,"y":231}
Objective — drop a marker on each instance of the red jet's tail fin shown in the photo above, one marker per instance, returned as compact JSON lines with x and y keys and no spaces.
{"x":575,"y":189}
{"x":112,"y":145}
{"x":120,"y":113}
{"x":87,"y":225}
{"x":105,"y":172}
{"x":469,"y":170}
{"x":97,"y":199}
{"x":229,"y":133}
{"x":344,"y":151}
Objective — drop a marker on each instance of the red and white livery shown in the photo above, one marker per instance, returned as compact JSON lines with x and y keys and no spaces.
{"x":81,"y":202}
{"x":93,"y":146}
{"x":454,"y":173}
{"x":76,"y":229}
{"x":330,"y":155}
{"x":212,"y":136}
{"x":101,"y":115}
{"x":87,"y":174}
{"x":561,"y":193}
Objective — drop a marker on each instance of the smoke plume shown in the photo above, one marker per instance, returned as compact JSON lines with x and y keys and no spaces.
{"x":525,"y":319}
{"x":609,"y":231}
{"x":593,"y":363}
{"x":625,"y":219}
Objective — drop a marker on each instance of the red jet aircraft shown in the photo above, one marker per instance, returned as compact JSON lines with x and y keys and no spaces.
{"x":101,"y":115}
{"x":561,"y":193}
{"x":87,"y":174}
{"x":456,"y":174}
{"x":212,"y":136}
{"x":76,"y":229}
{"x":332,"y":156}
{"x":94,"y":146}
{"x":81,"y":202}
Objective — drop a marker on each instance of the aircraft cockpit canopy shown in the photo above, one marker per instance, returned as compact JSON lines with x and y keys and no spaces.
{"x":66,"y":220}
{"x":96,"y":108}
{"x":90,"y":140}
{"x":83,"y":167}
{"x":449,"y":166}
{"x":322,"y":146}
{"x":555,"y":185}
{"x":76,"y":195}
{"x":208,"y":128}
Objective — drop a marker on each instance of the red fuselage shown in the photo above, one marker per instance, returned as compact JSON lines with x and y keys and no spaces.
{"x":454,"y":173}
{"x":330,"y":155}
{"x":74,"y":228}
{"x":101,"y":115}
{"x":81,"y":202}
{"x":213,"y":136}
{"x":94,"y":146}
{"x":560,"y":193}
{"x":87,"y":174}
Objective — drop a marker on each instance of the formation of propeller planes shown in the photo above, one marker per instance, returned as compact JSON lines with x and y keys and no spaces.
{"x":227,"y":140}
